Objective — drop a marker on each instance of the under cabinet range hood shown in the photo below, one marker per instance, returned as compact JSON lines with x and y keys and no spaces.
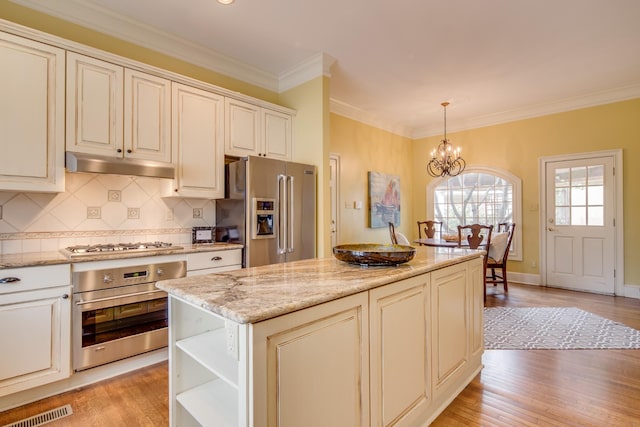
{"x":81,"y":162}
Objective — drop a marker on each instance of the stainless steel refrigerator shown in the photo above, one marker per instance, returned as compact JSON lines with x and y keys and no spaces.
{"x":270,"y":207}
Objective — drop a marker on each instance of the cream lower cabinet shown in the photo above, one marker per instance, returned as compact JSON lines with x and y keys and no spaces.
{"x":200,"y":263}
{"x":399,"y":360}
{"x":311,"y":367}
{"x":456,"y":326}
{"x":35,"y":327}
{"x":395,"y":355}
{"x":32,"y":115}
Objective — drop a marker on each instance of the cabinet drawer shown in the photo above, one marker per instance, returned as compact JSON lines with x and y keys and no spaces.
{"x":38,"y":277}
{"x":214,"y":259}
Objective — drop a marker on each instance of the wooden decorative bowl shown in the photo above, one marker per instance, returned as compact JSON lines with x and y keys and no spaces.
{"x":372,"y":254}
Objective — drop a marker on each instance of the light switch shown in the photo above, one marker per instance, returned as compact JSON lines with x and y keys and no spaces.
{"x":357,"y":204}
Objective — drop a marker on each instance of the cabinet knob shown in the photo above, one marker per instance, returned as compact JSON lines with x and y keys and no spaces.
{"x":9,"y":280}
{"x":129,"y":151}
{"x":119,"y":150}
{"x":216,"y":258}
{"x":65,"y":296}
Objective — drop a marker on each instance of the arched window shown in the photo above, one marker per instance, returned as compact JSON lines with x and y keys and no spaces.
{"x":480,"y":195}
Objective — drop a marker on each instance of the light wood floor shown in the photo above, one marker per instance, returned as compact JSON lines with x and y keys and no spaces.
{"x":515,"y":388}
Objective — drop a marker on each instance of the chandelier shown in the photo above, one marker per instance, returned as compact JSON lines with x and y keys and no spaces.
{"x":445,"y":160}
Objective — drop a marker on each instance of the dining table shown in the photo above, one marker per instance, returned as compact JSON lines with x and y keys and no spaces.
{"x":440,"y":243}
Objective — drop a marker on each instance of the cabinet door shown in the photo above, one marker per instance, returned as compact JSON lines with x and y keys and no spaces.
{"x":198,"y":138}
{"x":242,"y":129}
{"x":400,"y":386}
{"x":450,"y":326}
{"x":311,"y":367}
{"x":94,"y":106}
{"x":277,"y":134}
{"x":35,"y":327}
{"x":31,"y":116}
{"x":147,"y":117}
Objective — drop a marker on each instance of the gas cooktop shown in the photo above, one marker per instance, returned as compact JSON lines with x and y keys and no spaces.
{"x":110,"y":248}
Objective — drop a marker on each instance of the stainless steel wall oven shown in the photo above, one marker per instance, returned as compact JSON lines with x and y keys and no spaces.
{"x":118,"y":312}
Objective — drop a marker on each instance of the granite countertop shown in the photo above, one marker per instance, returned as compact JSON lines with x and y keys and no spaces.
{"x":254,"y":294}
{"x":32,"y":259}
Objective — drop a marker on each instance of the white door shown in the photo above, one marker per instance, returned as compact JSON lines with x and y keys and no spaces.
{"x":334,"y":168}
{"x":580,"y":224}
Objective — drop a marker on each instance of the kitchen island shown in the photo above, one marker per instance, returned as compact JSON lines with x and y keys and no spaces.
{"x":322,"y":342}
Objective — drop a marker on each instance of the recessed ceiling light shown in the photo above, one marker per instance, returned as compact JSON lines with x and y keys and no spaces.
{"x":225,"y":1}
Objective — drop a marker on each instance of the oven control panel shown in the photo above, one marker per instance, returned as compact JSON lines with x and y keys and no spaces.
{"x":92,"y":280}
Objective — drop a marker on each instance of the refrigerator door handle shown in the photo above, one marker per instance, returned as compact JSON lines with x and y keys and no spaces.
{"x":290,"y":215}
{"x":282,"y":215}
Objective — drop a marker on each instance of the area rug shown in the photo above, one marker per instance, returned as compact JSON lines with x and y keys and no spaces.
{"x":554,"y":328}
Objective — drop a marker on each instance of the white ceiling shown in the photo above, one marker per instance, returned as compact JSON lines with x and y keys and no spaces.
{"x":396,"y":61}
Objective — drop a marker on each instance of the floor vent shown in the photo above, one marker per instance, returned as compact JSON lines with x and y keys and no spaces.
{"x":43,"y":418}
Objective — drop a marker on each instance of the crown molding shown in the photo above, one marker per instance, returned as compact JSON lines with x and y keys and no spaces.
{"x":102,"y":20}
{"x":317,"y":65}
{"x":543,"y":109}
{"x":359,"y":115}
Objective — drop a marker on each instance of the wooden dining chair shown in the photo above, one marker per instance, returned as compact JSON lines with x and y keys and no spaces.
{"x":498,"y":255}
{"x":478,"y":234}
{"x":397,"y":238}
{"x":392,"y":234}
{"x":429,"y":228}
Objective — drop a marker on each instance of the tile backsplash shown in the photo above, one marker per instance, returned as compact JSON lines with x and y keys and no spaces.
{"x":98,"y":208}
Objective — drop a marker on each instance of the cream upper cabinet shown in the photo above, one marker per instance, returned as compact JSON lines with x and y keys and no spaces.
{"x":242,"y":128}
{"x":147,"y":116}
{"x":277,"y":134}
{"x":31,"y":115}
{"x":251,"y":130}
{"x":117,"y":112}
{"x":198,"y":141}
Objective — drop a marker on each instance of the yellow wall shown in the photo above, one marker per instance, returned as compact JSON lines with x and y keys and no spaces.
{"x":515,"y":147}
{"x":311,"y":133}
{"x":363,"y":148}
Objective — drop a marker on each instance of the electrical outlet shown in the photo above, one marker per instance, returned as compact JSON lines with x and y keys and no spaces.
{"x":169,"y":215}
{"x":197,"y":213}
{"x":231,"y":332}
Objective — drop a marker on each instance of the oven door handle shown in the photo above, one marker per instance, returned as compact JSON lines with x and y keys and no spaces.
{"x":119,"y":300}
